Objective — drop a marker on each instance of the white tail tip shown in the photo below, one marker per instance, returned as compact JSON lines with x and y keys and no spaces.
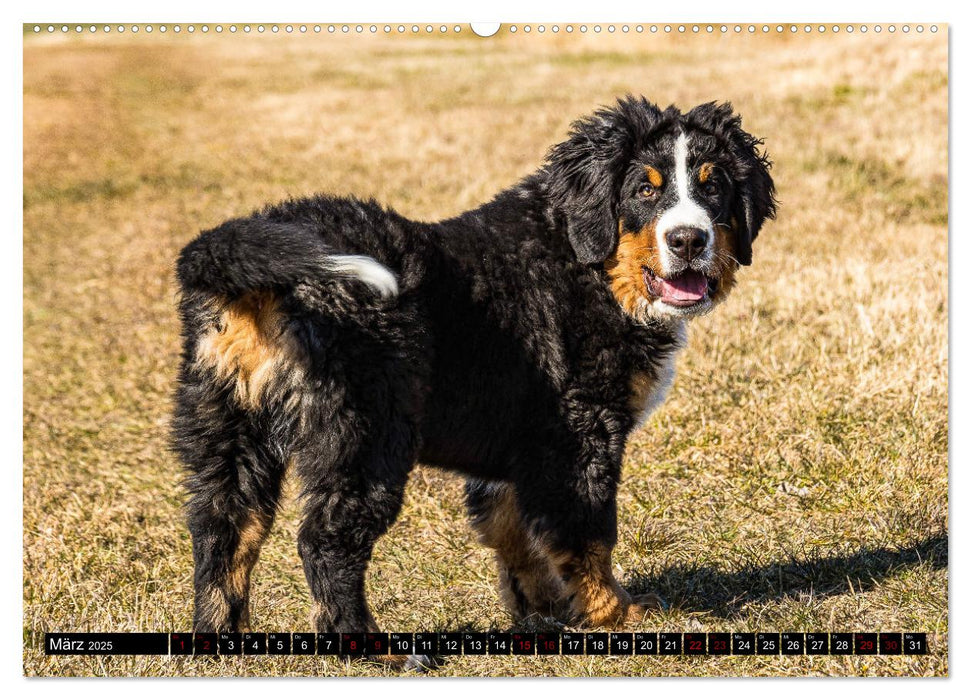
{"x":366,"y":269}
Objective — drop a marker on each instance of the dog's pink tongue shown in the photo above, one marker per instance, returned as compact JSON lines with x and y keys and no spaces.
{"x":689,"y":286}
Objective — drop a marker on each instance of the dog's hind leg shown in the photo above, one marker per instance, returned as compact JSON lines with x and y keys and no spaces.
{"x":235,"y":474}
{"x":528,"y":582}
{"x":358,"y":441}
{"x":349,"y":504}
{"x":238,"y":368}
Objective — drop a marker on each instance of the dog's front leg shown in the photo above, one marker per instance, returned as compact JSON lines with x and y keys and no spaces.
{"x":596,"y":598}
{"x":573,"y":514}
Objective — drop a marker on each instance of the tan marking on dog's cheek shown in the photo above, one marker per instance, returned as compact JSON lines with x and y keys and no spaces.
{"x":705,"y":171}
{"x":654,"y":176}
{"x":249,"y":345}
{"x":635,"y":251}
{"x":725,"y":261}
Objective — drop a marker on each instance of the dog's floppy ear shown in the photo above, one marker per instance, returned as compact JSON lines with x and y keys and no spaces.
{"x":754,"y":190}
{"x":587,"y":170}
{"x":755,"y":198}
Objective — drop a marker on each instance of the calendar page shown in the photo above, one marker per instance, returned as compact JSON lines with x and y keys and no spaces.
{"x":522,"y":349}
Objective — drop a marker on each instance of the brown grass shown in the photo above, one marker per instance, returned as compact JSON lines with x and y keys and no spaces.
{"x":795,"y":480}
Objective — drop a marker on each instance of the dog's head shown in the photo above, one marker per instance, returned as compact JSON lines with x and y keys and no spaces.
{"x":668,"y":202}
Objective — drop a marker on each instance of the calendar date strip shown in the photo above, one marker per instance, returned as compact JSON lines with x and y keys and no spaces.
{"x":487,"y":644}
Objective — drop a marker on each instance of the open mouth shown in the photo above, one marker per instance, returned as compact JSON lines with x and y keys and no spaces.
{"x":687,"y":288}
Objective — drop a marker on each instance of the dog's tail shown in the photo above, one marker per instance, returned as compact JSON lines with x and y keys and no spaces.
{"x":246,"y":255}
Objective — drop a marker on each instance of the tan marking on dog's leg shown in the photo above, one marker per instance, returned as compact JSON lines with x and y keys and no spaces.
{"x":251,"y":538}
{"x":235,"y":586}
{"x":528,"y":582}
{"x":598,"y":599}
{"x":218,"y":608}
{"x":316,"y":610}
{"x":395,"y":661}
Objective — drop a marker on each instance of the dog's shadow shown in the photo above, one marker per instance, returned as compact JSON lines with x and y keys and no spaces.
{"x":726,"y":593}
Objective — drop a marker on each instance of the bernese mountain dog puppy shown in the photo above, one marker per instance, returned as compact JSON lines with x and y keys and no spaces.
{"x":518,"y":344}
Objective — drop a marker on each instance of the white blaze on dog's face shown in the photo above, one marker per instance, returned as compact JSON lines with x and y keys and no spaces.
{"x":676,"y":252}
{"x":685,"y":228}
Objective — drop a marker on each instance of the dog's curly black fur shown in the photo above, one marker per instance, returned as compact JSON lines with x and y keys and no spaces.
{"x":518,"y":344}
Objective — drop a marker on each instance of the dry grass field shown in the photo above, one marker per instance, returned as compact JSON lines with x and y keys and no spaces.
{"x":796,"y":479}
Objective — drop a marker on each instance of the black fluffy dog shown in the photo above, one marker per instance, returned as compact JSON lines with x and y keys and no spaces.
{"x":518,"y":344}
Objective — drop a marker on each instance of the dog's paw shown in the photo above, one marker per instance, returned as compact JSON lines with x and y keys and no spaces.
{"x":642,"y":605}
{"x":406,"y":662}
{"x":420,"y":663}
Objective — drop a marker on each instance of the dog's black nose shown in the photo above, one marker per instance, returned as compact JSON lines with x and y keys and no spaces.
{"x":685,"y":242}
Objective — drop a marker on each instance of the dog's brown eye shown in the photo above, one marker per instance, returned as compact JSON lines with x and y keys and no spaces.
{"x":648,"y":190}
{"x":710,"y":188}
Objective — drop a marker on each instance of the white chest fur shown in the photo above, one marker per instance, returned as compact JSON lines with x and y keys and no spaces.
{"x":649,"y":391}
